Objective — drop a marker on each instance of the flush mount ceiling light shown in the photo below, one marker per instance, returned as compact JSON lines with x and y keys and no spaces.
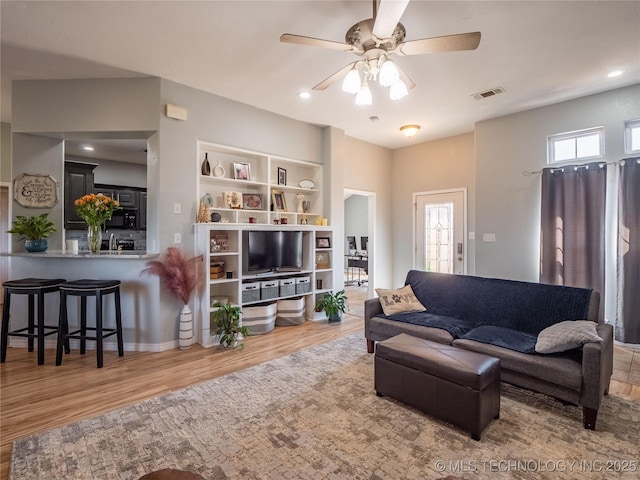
{"x":304,"y":95}
{"x":615,"y":73}
{"x":409,"y":130}
{"x":88,"y":148}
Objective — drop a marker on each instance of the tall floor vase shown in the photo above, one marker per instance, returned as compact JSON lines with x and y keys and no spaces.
{"x":185,"y":338}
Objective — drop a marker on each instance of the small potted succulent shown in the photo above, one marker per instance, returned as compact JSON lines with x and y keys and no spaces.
{"x":333,"y":304}
{"x":227,"y":324}
{"x":34,"y":230}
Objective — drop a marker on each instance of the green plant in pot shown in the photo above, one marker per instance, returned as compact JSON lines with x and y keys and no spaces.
{"x":227,"y":324}
{"x":34,"y":230}
{"x":333,"y":304}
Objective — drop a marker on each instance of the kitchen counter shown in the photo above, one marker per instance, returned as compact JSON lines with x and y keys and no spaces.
{"x":117,"y":255}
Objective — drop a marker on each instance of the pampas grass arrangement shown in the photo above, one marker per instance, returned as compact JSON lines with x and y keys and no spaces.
{"x":177,"y":272}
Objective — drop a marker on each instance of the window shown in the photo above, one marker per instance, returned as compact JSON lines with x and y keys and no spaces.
{"x":578,"y":145}
{"x":632,"y":136}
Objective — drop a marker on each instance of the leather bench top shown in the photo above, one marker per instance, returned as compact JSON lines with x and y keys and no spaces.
{"x":465,"y":368}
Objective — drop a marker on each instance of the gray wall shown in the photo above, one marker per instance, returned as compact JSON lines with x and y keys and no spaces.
{"x":115,"y":173}
{"x":507,"y":202}
{"x":5,"y":152}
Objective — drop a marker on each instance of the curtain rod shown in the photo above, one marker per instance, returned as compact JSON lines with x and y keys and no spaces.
{"x":527,"y":173}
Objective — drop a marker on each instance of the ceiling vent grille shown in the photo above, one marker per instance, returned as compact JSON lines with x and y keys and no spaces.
{"x":488,"y":93}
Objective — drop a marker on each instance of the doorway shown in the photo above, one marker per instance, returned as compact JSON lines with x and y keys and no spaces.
{"x":440,"y":229}
{"x":359,"y":246}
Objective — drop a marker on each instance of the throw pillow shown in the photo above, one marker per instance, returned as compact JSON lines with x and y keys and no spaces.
{"x":399,"y":301}
{"x":566,"y":335}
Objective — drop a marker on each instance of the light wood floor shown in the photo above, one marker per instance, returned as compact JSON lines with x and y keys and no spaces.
{"x":38,"y":398}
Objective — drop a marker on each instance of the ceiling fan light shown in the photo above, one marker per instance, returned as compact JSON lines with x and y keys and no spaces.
{"x":389,"y":74}
{"x":409,"y":130}
{"x":398,"y":90}
{"x":351,"y":83}
{"x":363,"y":97}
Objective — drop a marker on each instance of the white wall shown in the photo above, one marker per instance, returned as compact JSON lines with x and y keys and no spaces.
{"x":507,"y":202}
{"x":438,"y":165}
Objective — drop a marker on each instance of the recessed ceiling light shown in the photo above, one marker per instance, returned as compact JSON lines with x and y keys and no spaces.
{"x":615,"y":73}
{"x":88,"y":148}
{"x":304,"y":95}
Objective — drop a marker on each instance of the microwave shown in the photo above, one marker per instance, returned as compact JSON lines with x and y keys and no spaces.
{"x":124,"y":219}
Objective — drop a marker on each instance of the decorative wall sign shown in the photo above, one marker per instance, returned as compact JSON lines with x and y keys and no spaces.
{"x":35,"y":191}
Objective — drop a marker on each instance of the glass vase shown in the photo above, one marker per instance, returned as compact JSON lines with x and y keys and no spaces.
{"x":94,"y":238}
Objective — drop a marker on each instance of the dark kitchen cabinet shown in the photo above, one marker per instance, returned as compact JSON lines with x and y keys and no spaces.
{"x":142,"y":211}
{"x":78,"y":181}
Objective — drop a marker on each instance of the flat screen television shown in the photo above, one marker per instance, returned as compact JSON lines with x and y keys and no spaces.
{"x":269,"y":250}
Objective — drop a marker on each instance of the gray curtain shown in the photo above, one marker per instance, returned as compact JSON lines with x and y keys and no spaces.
{"x":573,"y":227}
{"x":627,"y":325}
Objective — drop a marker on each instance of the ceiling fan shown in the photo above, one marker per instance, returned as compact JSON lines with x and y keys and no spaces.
{"x":374,"y":40}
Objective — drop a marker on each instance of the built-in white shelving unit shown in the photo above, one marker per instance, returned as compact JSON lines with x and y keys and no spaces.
{"x":222,"y":243}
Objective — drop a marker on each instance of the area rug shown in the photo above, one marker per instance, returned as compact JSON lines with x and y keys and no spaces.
{"x":314,"y":415}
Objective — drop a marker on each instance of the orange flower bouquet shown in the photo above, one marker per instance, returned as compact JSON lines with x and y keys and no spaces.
{"x":95,"y":209}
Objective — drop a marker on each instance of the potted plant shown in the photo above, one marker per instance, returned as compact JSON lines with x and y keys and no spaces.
{"x":227,"y":324}
{"x":333,"y":304}
{"x":35,"y":230}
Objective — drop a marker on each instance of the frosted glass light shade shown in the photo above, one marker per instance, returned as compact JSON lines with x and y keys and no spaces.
{"x":363,"y":97}
{"x":398,"y":90}
{"x":389,"y":74}
{"x":409,"y":130}
{"x":351,"y":83}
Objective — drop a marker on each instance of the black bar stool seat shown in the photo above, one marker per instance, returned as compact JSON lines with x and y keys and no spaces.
{"x":32,"y":287}
{"x":83,"y":289}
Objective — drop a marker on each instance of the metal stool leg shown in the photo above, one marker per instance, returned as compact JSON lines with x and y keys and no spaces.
{"x":119,"y":325}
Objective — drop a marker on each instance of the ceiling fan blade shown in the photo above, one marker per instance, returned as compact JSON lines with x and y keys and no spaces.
{"x":314,"y":42}
{"x":388,"y":16}
{"x":447,"y":43}
{"x":333,"y":78}
{"x":405,"y":78}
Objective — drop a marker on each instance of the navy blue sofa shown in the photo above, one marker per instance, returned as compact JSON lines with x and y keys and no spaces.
{"x":502,"y":318}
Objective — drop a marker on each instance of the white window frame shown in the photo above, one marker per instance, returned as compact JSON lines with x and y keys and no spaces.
{"x":629,"y":127}
{"x":587,"y":132}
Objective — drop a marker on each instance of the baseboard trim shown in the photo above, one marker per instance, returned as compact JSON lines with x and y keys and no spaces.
{"x":111,"y":346}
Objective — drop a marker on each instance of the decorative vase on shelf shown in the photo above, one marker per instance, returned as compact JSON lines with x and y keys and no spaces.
{"x":206,"y":167}
{"x":185,"y":338}
{"x":94,"y":238}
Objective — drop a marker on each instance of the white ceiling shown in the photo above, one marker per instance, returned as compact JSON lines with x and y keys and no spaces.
{"x":539,"y":52}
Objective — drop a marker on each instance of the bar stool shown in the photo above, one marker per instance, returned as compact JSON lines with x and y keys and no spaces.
{"x":84,"y":289}
{"x":32,"y":287}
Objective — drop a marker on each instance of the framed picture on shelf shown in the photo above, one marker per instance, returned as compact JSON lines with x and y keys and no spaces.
{"x":282,"y":176}
{"x":241,"y":171}
{"x":322,"y":260}
{"x":323,"y":242}
{"x":232,"y":199}
{"x":279,"y":203}
{"x":252,"y":201}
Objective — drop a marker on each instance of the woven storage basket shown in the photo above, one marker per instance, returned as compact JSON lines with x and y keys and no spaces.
{"x":290,"y":312}
{"x":260,"y":318}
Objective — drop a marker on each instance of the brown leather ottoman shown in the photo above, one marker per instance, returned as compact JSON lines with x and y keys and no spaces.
{"x":452,"y":384}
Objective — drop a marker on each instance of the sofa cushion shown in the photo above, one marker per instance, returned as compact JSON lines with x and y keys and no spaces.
{"x":560,"y":368}
{"x":524,"y":306}
{"x":503,"y":337}
{"x":381,"y":328}
{"x":398,"y":301}
{"x":567,"y":335}
{"x":456,"y":327}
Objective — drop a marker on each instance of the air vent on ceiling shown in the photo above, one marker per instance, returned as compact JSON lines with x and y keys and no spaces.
{"x":488,"y":93}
